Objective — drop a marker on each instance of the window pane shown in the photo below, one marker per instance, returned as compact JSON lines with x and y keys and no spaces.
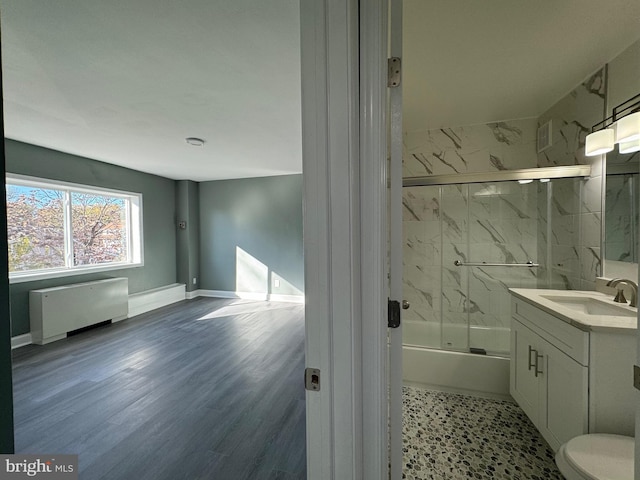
{"x":35,"y":228}
{"x":99,"y":229}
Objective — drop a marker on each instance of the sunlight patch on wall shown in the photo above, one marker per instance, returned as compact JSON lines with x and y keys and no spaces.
{"x":251,"y":274}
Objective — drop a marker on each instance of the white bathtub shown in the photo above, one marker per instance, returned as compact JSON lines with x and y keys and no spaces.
{"x":496,"y":341}
{"x":455,"y":370}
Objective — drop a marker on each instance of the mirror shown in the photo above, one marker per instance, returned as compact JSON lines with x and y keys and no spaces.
{"x":621,"y":207}
{"x":622,"y":188}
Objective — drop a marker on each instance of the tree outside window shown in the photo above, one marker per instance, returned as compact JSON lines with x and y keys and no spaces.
{"x":99,"y":229}
{"x":35,"y":228}
{"x":62,"y":228}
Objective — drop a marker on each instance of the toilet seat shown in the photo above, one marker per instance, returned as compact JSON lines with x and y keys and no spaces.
{"x":597,"y":456}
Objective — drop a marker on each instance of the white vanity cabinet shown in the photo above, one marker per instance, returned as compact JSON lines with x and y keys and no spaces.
{"x":550,"y":386}
{"x":570,"y":381}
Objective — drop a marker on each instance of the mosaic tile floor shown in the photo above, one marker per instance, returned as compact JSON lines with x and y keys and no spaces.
{"x":449,"y":436}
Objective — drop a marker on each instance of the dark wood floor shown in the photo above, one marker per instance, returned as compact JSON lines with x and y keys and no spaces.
{"x":205,"y":388}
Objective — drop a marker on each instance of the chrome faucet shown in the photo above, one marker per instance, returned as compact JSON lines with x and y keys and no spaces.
{"x":620,"y":295}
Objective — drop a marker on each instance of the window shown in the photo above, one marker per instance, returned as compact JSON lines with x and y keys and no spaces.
{"x":56,"y":229}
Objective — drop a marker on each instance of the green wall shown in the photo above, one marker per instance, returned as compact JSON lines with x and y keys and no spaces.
{"x":263,"y":218}
{"x":159,"y":207}
{"x":188,"y":239}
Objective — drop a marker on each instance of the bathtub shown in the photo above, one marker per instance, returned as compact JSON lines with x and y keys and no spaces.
{"x":488,"y":374}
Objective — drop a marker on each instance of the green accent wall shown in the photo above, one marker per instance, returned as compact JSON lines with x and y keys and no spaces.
{"x":251,"y":235}
{"x":158,"y":210}
{"x":188,"y":238}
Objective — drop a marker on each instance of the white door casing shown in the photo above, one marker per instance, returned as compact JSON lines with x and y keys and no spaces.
{"x":395,"y":239}
{"x":374,"y":237}
{"x":344,"y":158}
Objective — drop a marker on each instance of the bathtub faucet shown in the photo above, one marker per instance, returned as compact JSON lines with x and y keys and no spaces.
{"x":620,"y":295}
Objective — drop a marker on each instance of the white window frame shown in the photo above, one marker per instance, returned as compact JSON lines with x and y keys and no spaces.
{"x":135,"y":247}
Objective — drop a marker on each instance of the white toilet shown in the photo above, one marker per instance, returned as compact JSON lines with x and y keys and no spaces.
{"x":597,"y":456}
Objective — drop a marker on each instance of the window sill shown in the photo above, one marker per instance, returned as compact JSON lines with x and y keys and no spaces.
{"x":32,"y":277}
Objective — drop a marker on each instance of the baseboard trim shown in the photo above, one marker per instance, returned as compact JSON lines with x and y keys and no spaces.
{"x":192,"y":295}
{"x":214,"y":294}
{"x":274,"y":297}
{"x":247,"y":296}
{"x":227,"y":294}
{"x":21,"y":340}
{"x":158,"y":297}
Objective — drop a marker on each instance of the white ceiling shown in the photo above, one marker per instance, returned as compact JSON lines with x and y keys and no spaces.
{"x":470,"y":62}
{"x":125,"y":81}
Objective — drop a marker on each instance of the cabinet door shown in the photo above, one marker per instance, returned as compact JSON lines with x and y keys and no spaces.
{"x":524,"y":385}
{"x":564,"y":397}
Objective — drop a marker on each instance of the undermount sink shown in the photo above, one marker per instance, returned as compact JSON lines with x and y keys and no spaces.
{"x":590,"y":306}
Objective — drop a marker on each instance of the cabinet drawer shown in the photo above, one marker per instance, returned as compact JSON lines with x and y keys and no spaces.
{"x":569,"y":339}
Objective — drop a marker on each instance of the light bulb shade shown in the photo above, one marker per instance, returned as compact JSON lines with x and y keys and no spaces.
{"x":630,"y":147}
{"x":628,"y":128}
{"x":599,"y":142}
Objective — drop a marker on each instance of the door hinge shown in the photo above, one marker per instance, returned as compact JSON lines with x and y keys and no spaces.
{"x":636,"y":377}
{"x":394,"y":72}
{"x":312,"y":379}
{"x":393,"y":310}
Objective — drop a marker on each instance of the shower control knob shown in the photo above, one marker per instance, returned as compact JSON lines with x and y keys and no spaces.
{"x":405,"y":305}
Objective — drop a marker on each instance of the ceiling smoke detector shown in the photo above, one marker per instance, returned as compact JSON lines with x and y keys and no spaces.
{"x":196,"y":142}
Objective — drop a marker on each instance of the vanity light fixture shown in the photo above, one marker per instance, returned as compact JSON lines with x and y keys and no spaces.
{"x":545,"y":180}
{"x":628,"y":128}
{"x":623,"y":127}
{"x":630,"y":147}
{"x":522,"y":181}
{"x":599,"y":142}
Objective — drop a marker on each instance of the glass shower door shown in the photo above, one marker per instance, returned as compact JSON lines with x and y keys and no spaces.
{"x":455,"y":280}
{"x":457,"y":306}
{"x":422,"y":257}
{"x":503,"y":230}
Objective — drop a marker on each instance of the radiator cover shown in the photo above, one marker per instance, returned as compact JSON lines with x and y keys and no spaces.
{"x":55,"y":311}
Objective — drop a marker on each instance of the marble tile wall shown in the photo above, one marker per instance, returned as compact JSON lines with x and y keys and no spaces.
{"x":476,"y":148}
{"x":569,"y":241}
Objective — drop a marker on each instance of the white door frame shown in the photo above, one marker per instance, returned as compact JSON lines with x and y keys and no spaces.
{"x":395,"y":246}
{"x":374,"y":229}
{"x":344,"y":160}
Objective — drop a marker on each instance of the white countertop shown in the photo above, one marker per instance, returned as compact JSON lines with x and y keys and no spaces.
{"x":583,"y":321}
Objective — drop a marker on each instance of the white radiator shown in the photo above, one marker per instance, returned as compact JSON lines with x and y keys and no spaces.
{"x":55,"y":311}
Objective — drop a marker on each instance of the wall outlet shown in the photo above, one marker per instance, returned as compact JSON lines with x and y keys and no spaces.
{"x":194,"y":280}
{"x":276,"y":282}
